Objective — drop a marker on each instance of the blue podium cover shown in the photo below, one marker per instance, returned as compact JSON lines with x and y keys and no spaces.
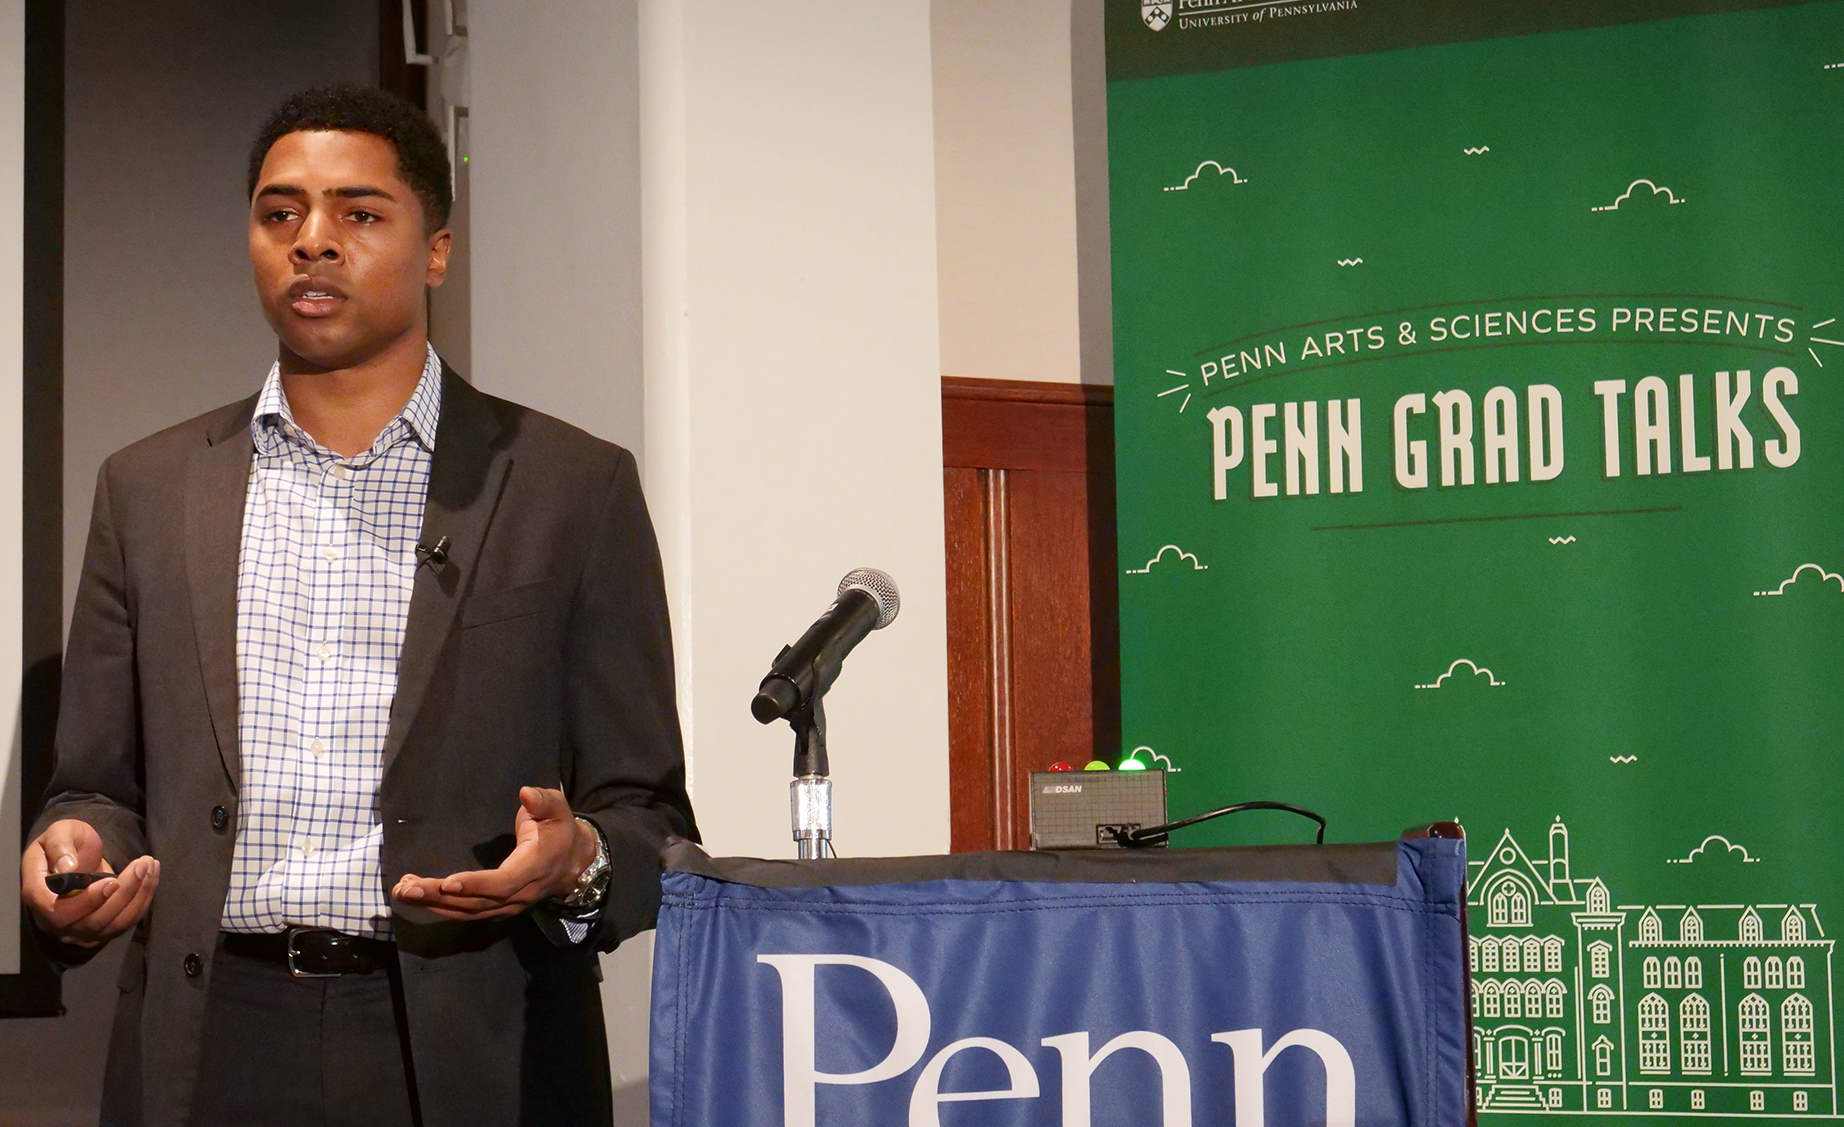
{"x":1264,"y":987}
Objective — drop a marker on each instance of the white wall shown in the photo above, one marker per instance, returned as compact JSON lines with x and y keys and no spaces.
{"x":555,"y":209}
{"x":793,"y":398}
{"x":791,"y":379}
{"x":1021,"y":189}
{"x":12,"y":442}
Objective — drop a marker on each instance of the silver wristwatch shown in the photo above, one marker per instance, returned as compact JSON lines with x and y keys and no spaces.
{"x":592,"y":884}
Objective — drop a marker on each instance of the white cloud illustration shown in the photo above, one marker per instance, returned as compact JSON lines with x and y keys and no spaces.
{"x":1657,"y":190}
{"x":1160,"y":554}
{"x":1732,"y":847}
{"x":1156,"y":758}
{"x":1823,"y":577}
{"x":1222,"y":170}
{"x":1477,"y":671}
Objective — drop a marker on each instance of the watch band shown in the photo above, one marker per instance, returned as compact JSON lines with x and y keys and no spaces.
{"x":592,"y":883}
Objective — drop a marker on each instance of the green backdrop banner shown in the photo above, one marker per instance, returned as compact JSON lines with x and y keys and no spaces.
{"x":1481,"y":456}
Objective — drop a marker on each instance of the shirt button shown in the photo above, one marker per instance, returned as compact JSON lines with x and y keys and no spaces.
{"x":325,"y":650}
{"x":331,"y":554}
{"x":193,"y":965}
{"x":318,"y":747}
{"x":341,"y":472}
{"x":220,"y":818}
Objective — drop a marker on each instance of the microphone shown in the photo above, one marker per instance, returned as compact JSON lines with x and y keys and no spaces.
{"x":802,"y":672}
{"x":436,"y":557}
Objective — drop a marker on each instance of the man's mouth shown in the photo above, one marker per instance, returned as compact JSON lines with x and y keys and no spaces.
{"x":314,"y":297}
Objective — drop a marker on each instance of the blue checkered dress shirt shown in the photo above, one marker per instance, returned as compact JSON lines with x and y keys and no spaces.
{"x":324,"y":574}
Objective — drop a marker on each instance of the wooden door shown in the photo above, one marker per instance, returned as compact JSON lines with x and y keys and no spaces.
{"x":1033,"y":625}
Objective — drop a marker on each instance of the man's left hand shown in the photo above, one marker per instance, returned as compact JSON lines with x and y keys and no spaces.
{"x":553,"y":849}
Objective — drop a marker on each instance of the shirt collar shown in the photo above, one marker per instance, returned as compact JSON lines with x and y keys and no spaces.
{"x":273,"y":423}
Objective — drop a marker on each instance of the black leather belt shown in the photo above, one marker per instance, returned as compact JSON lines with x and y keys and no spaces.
{"x":313,"y":952}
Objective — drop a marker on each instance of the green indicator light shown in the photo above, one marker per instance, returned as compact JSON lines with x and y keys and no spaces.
{"x":1131,"y":765}
{"x":1096,"y":765}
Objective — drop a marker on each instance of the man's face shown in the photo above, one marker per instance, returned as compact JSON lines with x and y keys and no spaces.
{"x":339,"y":249}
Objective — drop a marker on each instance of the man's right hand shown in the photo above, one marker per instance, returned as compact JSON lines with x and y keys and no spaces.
{"x":100,"y":912}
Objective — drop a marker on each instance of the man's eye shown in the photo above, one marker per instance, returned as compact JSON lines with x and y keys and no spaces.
{"x":365,"y":216}
{"x":281,"y":216}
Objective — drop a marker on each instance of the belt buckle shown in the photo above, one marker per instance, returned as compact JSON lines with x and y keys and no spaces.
{"x":292,"y":952}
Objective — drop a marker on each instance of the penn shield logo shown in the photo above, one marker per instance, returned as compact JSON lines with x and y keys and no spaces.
{"x":1156,"y":13}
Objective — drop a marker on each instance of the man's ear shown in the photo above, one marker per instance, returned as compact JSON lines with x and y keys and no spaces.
{"x":440,"y":244}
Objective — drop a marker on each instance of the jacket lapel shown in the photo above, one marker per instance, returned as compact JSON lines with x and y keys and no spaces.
{"x":217,"y":483}
{"x":465,"y":481}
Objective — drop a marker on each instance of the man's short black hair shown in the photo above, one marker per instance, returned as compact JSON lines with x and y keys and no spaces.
{"x":422,"y":157}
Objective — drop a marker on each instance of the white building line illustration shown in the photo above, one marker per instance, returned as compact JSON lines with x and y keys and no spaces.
{"x":1623,"y":759}
{"x":1350,"y":262}
{"x":1823,"y":577}
{"x":1477,"y":670}
{"x":1160,"y":554}
{"x":1562,"y":539}
{"x":1732,"y":847}
{"x":1222,"y":170}
{"x":1583,"y":1006}
{"x":1834,"y":66}
{"x":1155,"y":757}
{"x":1477,"y":151}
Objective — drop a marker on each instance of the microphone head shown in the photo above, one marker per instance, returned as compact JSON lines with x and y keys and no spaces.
{"x":880,"y":587}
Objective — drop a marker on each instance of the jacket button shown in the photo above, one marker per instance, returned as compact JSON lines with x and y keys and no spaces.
{"x":194,"y":965}
{"x":220,"y":818}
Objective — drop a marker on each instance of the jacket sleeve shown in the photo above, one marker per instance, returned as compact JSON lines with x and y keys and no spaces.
{"x":98,"y":776}
{"x":625,"y":756}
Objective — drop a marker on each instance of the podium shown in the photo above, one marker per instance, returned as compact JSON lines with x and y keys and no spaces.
{"x":1265,"y":986}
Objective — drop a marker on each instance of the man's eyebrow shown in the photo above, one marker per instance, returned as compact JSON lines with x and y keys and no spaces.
{"x":359,"y":191}
{"x":354,"y":192}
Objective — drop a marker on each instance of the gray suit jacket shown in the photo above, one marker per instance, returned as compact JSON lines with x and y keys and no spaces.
{"x":539,"y":653}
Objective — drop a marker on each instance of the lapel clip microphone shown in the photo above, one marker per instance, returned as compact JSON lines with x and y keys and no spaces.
{"x":436,"y":557}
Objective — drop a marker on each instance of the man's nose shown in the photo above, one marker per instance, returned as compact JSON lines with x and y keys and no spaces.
{"x":315,"y":241}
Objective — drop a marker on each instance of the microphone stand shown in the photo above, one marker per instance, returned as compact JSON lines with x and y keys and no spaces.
{"x":810,"y":794}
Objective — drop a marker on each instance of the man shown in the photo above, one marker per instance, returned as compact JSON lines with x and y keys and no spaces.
{"x":380,"y":666}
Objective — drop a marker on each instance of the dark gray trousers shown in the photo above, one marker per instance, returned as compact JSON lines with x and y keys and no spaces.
{"x":286,"y":1052}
